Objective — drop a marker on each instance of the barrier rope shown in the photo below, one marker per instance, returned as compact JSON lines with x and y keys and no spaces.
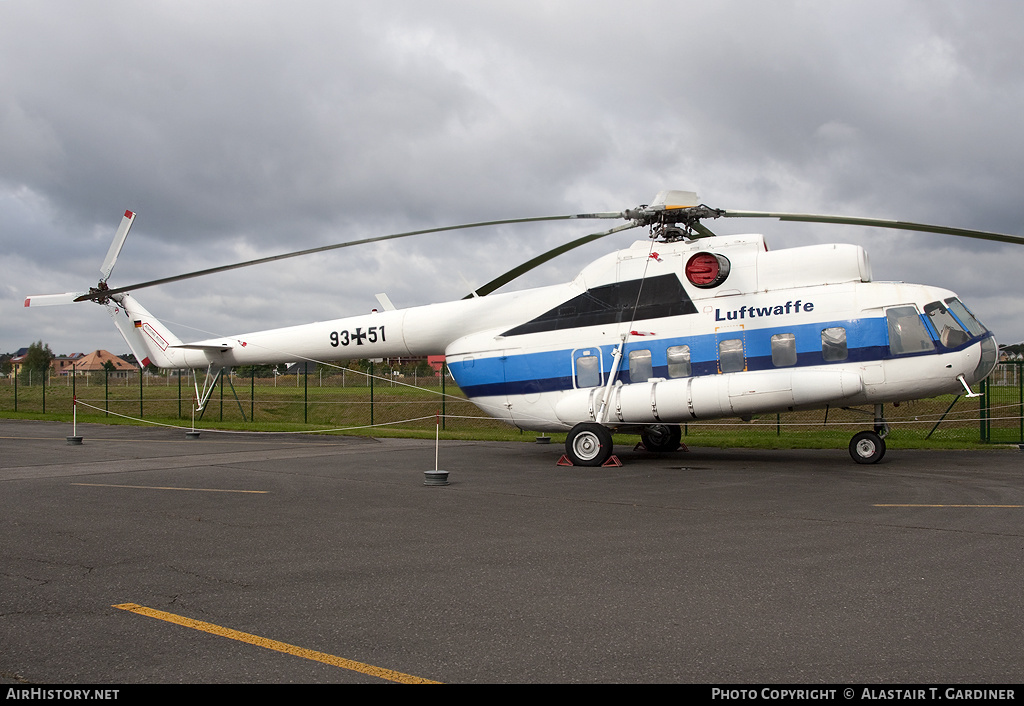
{"x":763,"y":421}
{"x":304,"y":431}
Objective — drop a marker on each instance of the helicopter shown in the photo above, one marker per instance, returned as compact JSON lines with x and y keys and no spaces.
{"x":685,"y":325}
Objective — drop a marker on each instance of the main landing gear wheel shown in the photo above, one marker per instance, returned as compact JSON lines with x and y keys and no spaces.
{"x":661,"y":438}
{"x":588,"y":444}
{"x":867,"y":447}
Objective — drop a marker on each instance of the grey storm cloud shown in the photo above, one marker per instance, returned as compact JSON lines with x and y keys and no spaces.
{"x":243,"y":129}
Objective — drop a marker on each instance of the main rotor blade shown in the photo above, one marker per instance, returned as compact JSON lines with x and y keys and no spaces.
{"x":878,"y":223}
{"x":541,"y":259}
{"x":702,"y":230}
{"x":116,"y":245}
{"x":336,"y":246}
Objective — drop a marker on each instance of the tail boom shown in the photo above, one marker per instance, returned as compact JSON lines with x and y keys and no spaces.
{"x":423,"y":330}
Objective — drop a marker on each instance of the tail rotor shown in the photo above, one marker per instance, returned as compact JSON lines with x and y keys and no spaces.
{"x":97,"y":293}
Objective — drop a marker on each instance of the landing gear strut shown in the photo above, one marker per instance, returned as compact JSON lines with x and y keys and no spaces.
{"x":869,"y":446}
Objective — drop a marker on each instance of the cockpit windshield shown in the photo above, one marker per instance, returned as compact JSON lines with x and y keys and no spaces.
{"x":951,"y":333}
{"x":966,"y":317}
{"x":953,"y":322}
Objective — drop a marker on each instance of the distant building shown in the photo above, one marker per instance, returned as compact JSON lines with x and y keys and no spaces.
{"x":17,"y":359}
{"x":84,"y":363}
{"x":62,"y":365}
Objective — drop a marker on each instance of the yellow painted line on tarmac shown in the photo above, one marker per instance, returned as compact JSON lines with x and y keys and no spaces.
{"x":168,"y":487}
{"x":323,"y":657}
{"x":895,"y":505}
{"x":388,"y":674}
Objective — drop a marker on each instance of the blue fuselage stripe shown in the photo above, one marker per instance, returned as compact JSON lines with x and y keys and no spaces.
{"x":545,"y":371}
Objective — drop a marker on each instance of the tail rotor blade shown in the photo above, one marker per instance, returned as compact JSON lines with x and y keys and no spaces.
{"x":52,"y":299}
{"x":115,"y":246}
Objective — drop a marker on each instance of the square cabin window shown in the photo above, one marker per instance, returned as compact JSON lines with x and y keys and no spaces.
{"x":588,"y":371}
{"x":833,"y":344}
{"x":730,"y":356}
{"x":640,"y":368}
{"x":678,"y":361}
{"x":783,"y":350}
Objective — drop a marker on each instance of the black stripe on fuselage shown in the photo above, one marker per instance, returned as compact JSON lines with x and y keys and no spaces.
{"x":659,"y":297}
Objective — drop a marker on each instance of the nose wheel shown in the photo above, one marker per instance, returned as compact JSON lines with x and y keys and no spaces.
{"x":867,"y":447}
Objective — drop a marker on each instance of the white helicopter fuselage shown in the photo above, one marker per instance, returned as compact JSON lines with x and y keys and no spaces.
{"x":642,"y":337}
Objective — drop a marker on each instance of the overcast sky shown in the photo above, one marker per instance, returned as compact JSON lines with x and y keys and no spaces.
{"x":242,"y":129}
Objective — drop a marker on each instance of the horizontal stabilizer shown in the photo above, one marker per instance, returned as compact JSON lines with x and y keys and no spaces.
{"x":385,"y":302}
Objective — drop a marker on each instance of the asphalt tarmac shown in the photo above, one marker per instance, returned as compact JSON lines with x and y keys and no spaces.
{"x":141,"y":557}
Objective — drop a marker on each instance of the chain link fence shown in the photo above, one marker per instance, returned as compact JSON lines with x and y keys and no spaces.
{"x":1002,"y":414}
{"x":316,"y":397}
{"x":326,"y":397}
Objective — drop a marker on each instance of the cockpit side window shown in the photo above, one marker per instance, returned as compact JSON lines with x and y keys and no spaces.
{"x":951,"y":333}
{"x":907,"y":333}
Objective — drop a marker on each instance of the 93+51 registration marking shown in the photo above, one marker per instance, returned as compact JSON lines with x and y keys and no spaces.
{"x":357,"y":337}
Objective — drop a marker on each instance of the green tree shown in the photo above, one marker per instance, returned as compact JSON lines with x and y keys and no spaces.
{"x":37,"y":361}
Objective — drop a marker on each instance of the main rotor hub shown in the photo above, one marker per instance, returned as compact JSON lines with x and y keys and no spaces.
{"x":669,"y":224}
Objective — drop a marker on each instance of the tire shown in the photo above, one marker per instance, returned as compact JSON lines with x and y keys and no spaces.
{"x":588,"y":444}
{"x":867,"y":447}
{"x":661,"y":438}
